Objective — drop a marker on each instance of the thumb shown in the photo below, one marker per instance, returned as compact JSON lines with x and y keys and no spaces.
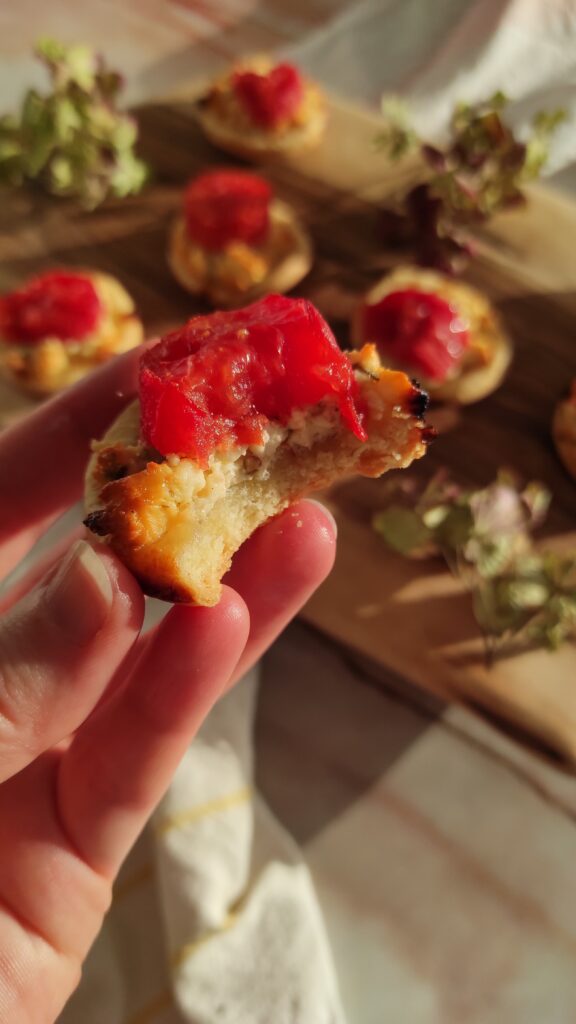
{"x":59,"y":648}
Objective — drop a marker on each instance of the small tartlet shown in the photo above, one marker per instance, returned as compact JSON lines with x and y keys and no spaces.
{"x":564,"y":430}
{"x":42,"y":360}
{"x":213,"y":255}
{"x":238,"y":415}
{"x":483,"y":362}
{"x":237,"y":126}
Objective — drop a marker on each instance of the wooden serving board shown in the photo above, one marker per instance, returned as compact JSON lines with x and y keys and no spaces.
{"x":410,"y":618}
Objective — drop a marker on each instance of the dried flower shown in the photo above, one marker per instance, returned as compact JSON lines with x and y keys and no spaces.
{"x":481,"y":170}
{"x":519,"y":594}
{"x":73,"y":141}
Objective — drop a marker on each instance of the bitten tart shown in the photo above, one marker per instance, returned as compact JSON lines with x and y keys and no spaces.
{"x":234,"y":241}
{"x":240,"y":414}
{"x":62,"y":324}
{"x":260,"y":110}
{"x":443,"y":332}
{"x":564,"y":430}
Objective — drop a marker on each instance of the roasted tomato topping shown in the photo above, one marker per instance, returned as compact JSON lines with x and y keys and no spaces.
{"x":59,"y":304}
{"x":419,"y":330}
{"x":225,"y":205}
{"x":219,"y":380}
{"x":270,"y":99}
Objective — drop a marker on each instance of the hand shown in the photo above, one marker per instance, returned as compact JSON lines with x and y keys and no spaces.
{"x":94,"y":718}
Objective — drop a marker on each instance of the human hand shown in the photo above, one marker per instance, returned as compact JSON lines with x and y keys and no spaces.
{"x":94,"y":718}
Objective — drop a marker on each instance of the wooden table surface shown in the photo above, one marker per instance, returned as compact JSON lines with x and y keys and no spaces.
{"x":444,"y":854}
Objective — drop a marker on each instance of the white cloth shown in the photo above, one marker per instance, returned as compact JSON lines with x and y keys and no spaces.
{"x":214,"y":918}
{"x":436,"y":52}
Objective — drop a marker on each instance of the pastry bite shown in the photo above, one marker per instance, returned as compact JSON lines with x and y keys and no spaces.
{"x":443,"y":332}
{"x":60,"y":325}
{"x":240,"y":414}
{"x":234,"y":241}
{"x":260,"y":109}
{"x":564,"y":430}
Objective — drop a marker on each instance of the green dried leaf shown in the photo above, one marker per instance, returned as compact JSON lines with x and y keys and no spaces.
{"x":519,"y":593}
{"x":397,"y":137}
{"x":69,"y":65}
{"x":404,"y":531}
{"x":490,"y":557}
{"x":495,"y":616}
{"x":436,"y":515}
{"x":536,"y":498}
{"x":455,"y":530}
{"x":67,"y":119}
{"x":526,"y":594}
{"x":73,"y":141}
{"x":62,"y":172}
{"x":129,"y":175}
{"x":480,"y":171}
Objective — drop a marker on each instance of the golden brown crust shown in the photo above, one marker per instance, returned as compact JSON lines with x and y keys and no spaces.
{"x":564,"y":431}
{"x":241,"y":273}
{"x":48,"y":366}
{"x":490,"y":351}
{"x":227,"y":125}
{"x":177,"y":527}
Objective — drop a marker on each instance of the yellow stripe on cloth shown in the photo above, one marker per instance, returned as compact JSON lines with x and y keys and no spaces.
{"x":165,"y":999}
{"x":192,"y":814}
{"x":186,"y":951}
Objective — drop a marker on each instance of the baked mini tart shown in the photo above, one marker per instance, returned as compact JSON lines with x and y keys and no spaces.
{"x":234,"y":241}
{"x":240,"y":414}
{"x":443,"y":332}
{"x":261,"y":110}
{"x":62,"y":324}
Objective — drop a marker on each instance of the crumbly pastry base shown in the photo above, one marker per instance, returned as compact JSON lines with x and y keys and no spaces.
{"x":241,"y":274}
{"x":48,"y":366}
{"x":176,"y":526}
{"x":490,"y":352}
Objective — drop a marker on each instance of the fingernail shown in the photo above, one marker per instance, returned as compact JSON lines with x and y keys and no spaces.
{"x":79,"y":596}
{"x":327,"y":513}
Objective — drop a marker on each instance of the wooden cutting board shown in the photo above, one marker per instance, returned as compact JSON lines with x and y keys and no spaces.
{"x":409,"y":618}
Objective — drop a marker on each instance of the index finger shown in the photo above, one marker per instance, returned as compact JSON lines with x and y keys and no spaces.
{"x":43,"y":457}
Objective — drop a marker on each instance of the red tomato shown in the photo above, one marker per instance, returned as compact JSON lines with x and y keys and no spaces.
{"x":419,"y":330}
{"x":272,"y":98}
{"x":221,"y":378}
{"x":226,"y":205}
{"x":59,"y":304}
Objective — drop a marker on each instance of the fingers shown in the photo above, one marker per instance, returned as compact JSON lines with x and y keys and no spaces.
{"x":59,"y":647}
{"x":15,"y":591}
{"x":42,"y":458}
{"x":278,"y":569}
{"x":121,"y":762}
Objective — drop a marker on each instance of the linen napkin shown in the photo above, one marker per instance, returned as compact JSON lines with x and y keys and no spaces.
{"x":435,"y":54}
{"x":214,"y":917}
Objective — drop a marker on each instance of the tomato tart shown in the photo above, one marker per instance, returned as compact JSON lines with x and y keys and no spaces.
{"x":260,"y":110}
{"x":239,"y":414}
{"x":234,"y":241}
{"x":443,"y":332}
{"x":60,"y":325}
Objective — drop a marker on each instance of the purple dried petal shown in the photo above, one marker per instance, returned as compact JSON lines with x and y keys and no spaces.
{"x":434,"y":157}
